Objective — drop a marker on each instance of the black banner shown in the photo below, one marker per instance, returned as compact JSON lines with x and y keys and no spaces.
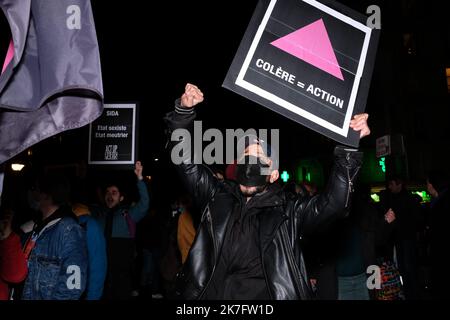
{"x":310,"y":61}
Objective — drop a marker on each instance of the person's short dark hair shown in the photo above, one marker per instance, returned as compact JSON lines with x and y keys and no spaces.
{"x":5,"y":210}
{"x":112,"y":184}
{"x":397,"y":178}
{"x":57,"y":187}
{"x":438,"y":179}
{"x":121,"y":182}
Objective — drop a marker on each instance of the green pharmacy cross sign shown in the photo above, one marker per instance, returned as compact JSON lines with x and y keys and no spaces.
{"x":285,"y":176}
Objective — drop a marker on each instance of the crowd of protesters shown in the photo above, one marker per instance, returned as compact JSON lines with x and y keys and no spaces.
{"x":118,"y":249}
{"x":121,"y":250}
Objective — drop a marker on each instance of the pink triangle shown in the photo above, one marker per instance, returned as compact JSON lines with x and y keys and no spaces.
{"x":9,"y":55}
{"x":312,"y":44}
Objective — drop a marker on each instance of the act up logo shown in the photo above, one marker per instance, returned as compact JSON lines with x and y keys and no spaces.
{"x":312,"y":44}
{"x":308,"y":60}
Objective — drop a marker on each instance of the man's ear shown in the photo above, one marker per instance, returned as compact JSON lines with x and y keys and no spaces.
{"x":121,"y":199}
{"x":274,"y":176}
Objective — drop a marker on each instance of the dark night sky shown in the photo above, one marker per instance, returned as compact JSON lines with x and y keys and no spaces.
{"x":149,"y":60}
{"x":149,"y":53}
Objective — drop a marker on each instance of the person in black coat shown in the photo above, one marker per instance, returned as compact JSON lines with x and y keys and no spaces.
{"x":248,"y":242}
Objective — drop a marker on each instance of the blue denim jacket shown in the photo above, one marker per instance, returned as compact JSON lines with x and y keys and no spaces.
{"x":57,"y":266}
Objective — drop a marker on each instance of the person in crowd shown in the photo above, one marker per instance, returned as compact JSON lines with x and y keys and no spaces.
{"x":118,"y":222}
{"x":361,"y":235}
{"x":407,"y":211}
{"x":95,"y":242}
{"x":13,"y":265}
{"x":247,"y":244}
{"x":185,"y":227}
{"x":56,"y":247}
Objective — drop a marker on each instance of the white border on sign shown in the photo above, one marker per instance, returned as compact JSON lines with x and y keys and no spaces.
{"x":343,"y":131}
{"x":116,"y":106}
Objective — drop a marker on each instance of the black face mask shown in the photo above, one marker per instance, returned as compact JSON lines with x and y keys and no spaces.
{"x":249,"y":172}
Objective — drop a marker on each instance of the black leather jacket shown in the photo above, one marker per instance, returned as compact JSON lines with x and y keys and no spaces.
{"x":284,"y":220}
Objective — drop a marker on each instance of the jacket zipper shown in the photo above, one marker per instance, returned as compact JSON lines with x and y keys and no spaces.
{"x":350,"y":181}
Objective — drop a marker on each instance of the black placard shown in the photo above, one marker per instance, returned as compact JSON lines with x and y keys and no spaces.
{"x":112,"y":136}
{"x":309,"y":61}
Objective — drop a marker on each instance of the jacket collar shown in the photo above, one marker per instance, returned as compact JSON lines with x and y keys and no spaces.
{"x":271,"y":197}
{"x":51,"y":220}
{"x":271,"y":203}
